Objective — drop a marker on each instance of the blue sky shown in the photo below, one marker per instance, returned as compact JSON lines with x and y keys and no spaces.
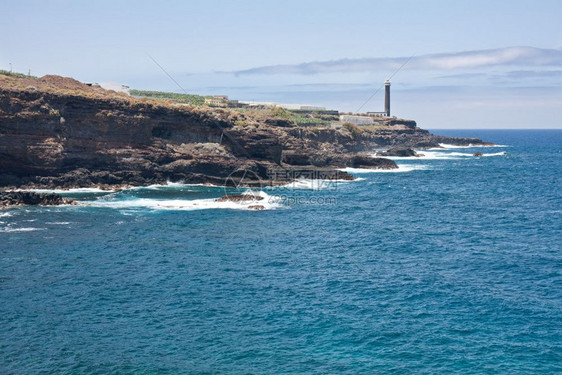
{"x":476,"y":64}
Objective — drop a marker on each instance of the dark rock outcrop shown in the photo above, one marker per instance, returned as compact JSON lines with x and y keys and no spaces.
{"x":398,"y":151}
{"x":239,"y":198}
{"x":296,"y":158}
{"x":24,"y":198}
{"x":373,"y":163}
{"x":460,"y":141}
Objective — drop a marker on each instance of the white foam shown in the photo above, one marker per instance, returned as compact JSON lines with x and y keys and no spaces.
{"x":268,"y":202}
{"x":170,"y":185}
{"x":59,"y":223}
{"x":5,"y":214}
{"x":30,"y":229}
{"x":401,"y":168}
{"x":167,"y":185}
{"x":470,"y":145}
{"x":427,"y":155}
{"x":496,"y":154}
{"x":438,"y":155}
{"x":69,"y":191}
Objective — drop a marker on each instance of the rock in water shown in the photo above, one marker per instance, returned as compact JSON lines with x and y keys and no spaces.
{"x":239,"y":198}
{"x":398,"y":151}
{"x":257,"y":207}
{"x":21,"y":198}
{"x":372,"y":163}
{"x":478,"y":153}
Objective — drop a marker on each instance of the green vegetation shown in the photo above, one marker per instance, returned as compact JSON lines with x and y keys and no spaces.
{"x":307,"y":121}
{"x":172,"y":96}
{"x":373,"y":128}
{"x":280,"y":112}
{"x":240,"y":122}
{"x":14,"y":74}
{"x":300,"y":118}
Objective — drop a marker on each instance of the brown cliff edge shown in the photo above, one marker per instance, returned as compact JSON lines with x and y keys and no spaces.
{"x":58,"y":132}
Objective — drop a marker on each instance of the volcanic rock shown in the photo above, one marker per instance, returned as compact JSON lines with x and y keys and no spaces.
{"x":21,"y":198}
{"x":398,"y":151}
{"x":257,"y":207}
{"x":239,"y":198}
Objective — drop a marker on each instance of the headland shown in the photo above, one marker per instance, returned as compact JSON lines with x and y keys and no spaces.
{"x":57,"y":132}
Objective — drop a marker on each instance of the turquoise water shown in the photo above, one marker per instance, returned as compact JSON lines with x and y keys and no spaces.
{"x":452,"y":265}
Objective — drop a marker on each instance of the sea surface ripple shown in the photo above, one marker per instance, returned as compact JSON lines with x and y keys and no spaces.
{"x":452,"y":266}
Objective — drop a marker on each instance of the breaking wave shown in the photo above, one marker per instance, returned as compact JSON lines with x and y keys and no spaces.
{"x":70,"y":191}
{"x":401,"y":168}
{"x":97,"y":190}
{"x":446,"y":145}
{"x":268,"y":202}
{"x":171,"y":185}
{"x":496,"y":154}
{"x":29,"y":229}
{"x":438,"y":155}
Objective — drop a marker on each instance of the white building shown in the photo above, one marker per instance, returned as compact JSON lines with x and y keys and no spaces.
{"x":294,"y":107}
{"x":117,"y":87}
{"x":217,"y":101}
{"x":357,"y":120}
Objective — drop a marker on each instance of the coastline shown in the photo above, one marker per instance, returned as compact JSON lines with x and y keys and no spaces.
{"x":60,"y":133}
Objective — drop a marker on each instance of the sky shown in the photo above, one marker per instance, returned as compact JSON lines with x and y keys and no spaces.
{"x":469,"y":64}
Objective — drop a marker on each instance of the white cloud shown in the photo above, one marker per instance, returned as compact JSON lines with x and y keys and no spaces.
{"x":512,"y":56}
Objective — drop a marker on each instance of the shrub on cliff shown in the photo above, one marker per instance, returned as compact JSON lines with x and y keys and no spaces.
{"x":353,"y":129}
{"x":280,"y":112}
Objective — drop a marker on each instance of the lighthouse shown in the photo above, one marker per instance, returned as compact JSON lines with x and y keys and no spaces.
{"x":387,"y":98}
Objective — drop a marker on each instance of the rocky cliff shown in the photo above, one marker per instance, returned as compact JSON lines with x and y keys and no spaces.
{"x":56,"y":131}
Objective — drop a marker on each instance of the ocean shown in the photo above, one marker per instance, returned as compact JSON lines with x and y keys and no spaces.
{"x":451,"y":264}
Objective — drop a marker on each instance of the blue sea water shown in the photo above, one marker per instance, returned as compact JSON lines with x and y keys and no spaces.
{"x":451,"y":265}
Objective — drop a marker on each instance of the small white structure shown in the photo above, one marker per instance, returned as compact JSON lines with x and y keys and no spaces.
{"x":376,"y":114}
{"x":115,"y":87}
{"x":357,"y":120}
{"x":311,"y":108}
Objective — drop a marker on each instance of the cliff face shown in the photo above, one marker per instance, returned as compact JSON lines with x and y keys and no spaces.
{"x":45,"y":134}
{"x":56,"y":131}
